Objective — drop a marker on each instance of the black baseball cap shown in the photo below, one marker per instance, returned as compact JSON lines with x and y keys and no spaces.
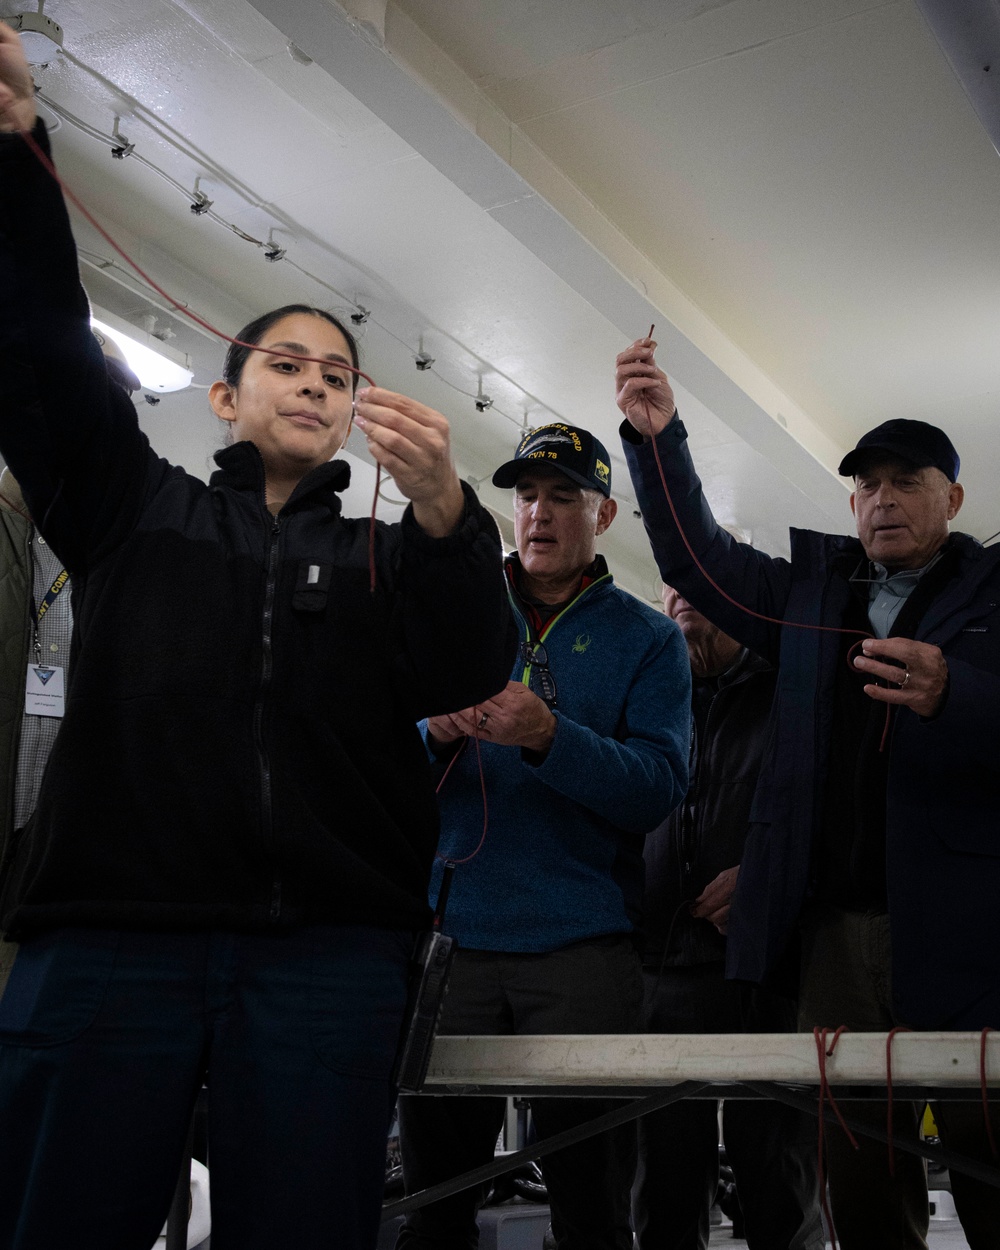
{"x":916,"y":442}
{"x":577,"y":453}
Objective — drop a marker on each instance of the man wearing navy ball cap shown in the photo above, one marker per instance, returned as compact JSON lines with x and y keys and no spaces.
{"x":583,"y":753}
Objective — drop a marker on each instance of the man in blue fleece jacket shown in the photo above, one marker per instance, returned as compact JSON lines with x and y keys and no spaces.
{"x":583,"y":753}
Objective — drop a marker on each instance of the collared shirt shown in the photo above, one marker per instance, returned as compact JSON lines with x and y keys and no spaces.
{"x":38,"y":733}
{"x":888,"y":592}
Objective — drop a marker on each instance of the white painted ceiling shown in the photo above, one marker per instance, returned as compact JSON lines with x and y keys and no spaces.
{"x":797,"y":192}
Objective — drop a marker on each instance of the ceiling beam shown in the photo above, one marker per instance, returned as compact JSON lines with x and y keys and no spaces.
{"x":346,"y":50}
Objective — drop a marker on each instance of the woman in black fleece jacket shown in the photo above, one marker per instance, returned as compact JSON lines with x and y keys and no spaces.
{"x":231,"y":850}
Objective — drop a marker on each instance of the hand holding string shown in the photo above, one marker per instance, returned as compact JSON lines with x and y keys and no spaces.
{"x":412,"y":443}
{"x":642,"y":390}
{"x":917,"y":671}
{"x":514,"y":717}
{"x":17,"y":89}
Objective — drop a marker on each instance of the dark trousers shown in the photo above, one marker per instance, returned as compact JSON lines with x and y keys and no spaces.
{"x":846,"y":960}
{"x":771,"y":1148}
{"x":106,"y":1038}
{"x":590,"y":987}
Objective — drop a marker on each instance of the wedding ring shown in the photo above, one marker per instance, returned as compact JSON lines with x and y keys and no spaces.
{"x":906,"y":678}
{"x":486,"y":716}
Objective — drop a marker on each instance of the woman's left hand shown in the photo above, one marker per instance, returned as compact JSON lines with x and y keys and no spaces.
{"x":17,"y":91}
{"x":412,"y":443}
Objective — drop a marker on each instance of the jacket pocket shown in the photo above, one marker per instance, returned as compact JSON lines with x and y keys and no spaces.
{"x":970,"y":833}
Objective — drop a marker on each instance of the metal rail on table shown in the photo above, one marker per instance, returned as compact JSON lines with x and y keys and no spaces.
{"x":650,"y":1071}
{"x":782,"y":1066}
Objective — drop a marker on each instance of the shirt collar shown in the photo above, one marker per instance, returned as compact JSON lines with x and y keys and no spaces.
{"x":900,"y":583}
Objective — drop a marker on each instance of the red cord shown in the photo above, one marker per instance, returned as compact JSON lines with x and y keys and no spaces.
{"x":986,"y":1101}
{"x":890,"y":1037}
{"x":771,"y":620}
{"x":482,"y":785}
{"x":198,"y":320}
{"x":820,"y":1161}
{"x":824,"y":1053}
{"x":451,"y":765}
{"x":181,"y":308}
{"x":826,"y":1095}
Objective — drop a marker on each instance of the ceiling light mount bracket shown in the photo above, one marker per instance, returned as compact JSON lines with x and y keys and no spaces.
{"x":273,"y":251}
{"x":124,"y":148}
{"x":41,"y":37}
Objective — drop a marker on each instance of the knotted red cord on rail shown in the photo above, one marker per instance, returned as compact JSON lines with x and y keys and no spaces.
{"x":982,"y":1085}
{"x":826,"y":1095}
{"x":890,"y":1037}
{"x":29,"y":139}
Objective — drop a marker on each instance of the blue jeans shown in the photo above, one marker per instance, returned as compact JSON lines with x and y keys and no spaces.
{"x":106,"y":1038}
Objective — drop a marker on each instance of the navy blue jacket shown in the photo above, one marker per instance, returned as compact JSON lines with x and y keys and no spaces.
{"x":943,"y":800}
{"x":240,"y":745}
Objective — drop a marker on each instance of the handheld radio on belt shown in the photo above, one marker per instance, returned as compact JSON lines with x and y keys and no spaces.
{"x":432,"y":960}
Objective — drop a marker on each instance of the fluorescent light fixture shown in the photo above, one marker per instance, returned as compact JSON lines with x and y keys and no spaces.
{"x":154,"y":370}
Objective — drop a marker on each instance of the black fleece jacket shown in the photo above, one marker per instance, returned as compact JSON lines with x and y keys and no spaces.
{"x":239,"y":747}
{"x":705,"y":834}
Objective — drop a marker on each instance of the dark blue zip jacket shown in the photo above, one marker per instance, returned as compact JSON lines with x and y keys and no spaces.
{"x":943,"y":799}
{"x":562,"y":858}
{"x":240,"y":745}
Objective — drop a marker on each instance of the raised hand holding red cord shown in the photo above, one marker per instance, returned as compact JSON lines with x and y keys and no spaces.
{"x":17,"y":89}
{"x":645,"y":397}
{"x":642,"y":391}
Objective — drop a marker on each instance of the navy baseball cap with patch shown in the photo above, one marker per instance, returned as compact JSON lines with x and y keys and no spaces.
{"x":914,"y":442}
{"x":577,"y":453}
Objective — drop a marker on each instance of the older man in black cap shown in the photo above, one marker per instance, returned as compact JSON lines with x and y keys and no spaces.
{"x":875,"y":835}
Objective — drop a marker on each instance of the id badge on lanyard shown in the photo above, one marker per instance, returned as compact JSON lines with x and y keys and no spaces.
{"x":45,"y":688}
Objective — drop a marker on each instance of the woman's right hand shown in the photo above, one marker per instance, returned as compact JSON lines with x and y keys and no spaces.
{"x":413,"y":443}
{"x":642,"y":391}
{"x":17,"y":89}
